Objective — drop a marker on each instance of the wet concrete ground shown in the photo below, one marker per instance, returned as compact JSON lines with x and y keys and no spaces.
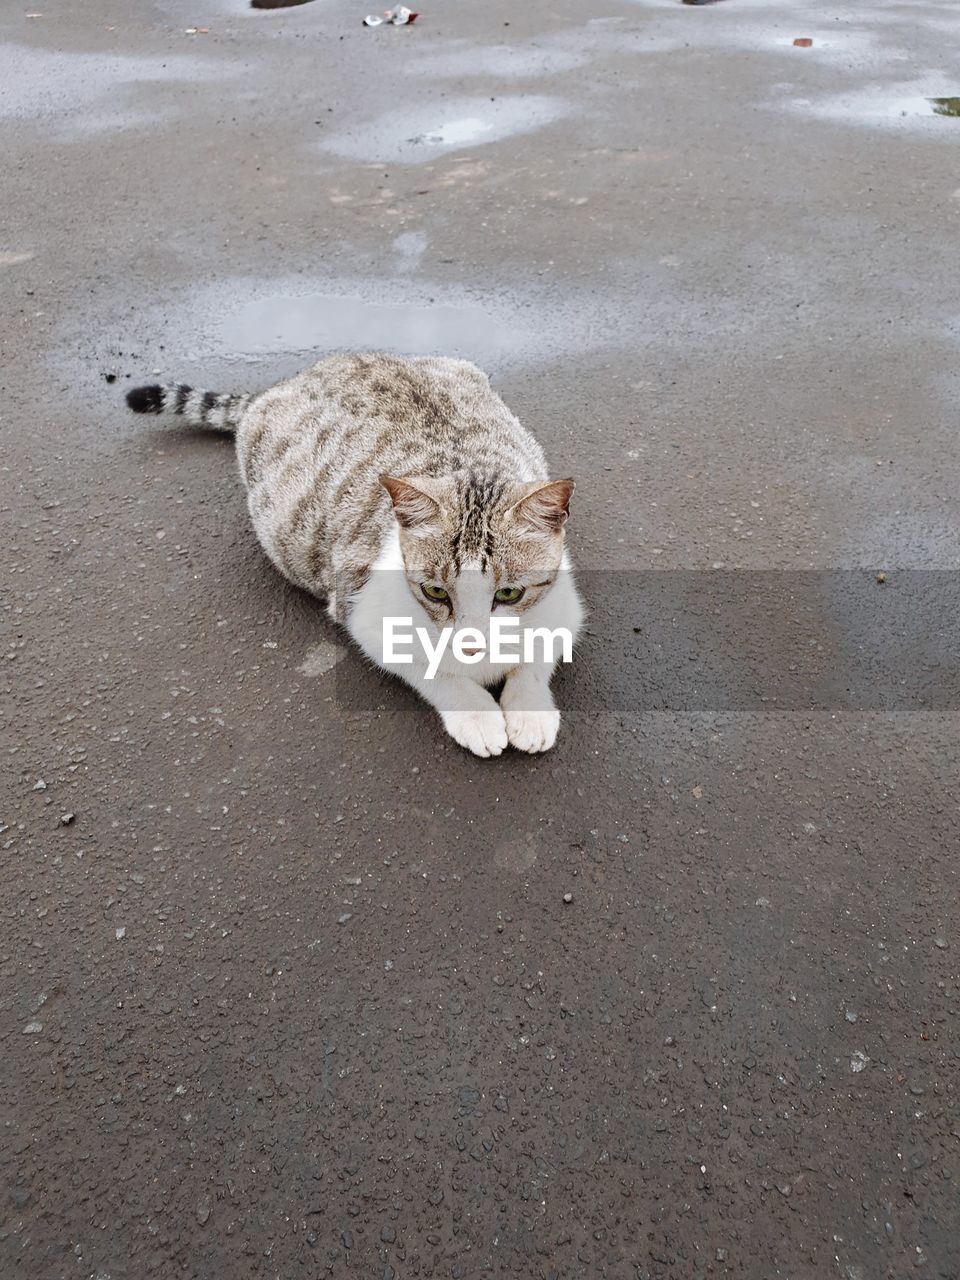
{"x":288,"y":986}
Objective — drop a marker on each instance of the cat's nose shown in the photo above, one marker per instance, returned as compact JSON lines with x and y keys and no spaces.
{"x":470,"y":653}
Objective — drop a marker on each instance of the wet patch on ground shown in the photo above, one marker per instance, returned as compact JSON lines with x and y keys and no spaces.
{"x":85,"y":93}
{"x":328,"y":322}
{"x":912,"y":104}
{"x":284,"y":324}
{"x":419,"y":135}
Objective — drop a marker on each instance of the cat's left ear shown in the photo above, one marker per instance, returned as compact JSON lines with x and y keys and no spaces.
{"x":545,"y":506}
{"x":416,"y":499}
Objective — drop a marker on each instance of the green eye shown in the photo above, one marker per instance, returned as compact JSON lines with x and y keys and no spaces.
{"x":509,"y":595}
{"x":433,"y":592}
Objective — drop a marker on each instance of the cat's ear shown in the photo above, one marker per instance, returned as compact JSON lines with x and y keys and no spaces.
{"x":545,"y":505}
{"x":416,"y":499}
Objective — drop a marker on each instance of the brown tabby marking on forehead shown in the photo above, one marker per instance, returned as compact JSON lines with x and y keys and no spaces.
{"x":480,"y":521}
{"x":478,"y":500}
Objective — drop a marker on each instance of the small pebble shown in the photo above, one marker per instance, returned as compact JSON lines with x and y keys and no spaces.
{"x":568,"y":897}
{"x":203,"y":1212}
{"x":121,"y":933}
{"x":344,"y":917}
{"x":850,"y":1016}
{"x":66,"y":819}
{"x":388,"y":1235}
{"x":346,"y":1239}
{"x":39,"y":785}
{"x":941,"y":943}
{"x":33,"y":1028}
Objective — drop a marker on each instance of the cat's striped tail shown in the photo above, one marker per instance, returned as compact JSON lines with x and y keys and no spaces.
{"x":201,"y":408}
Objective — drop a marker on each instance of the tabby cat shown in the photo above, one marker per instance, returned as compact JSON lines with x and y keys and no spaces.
{"x":406,"y":488}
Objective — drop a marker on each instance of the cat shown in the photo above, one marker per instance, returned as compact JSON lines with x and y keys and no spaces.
{"x":405,"y":488}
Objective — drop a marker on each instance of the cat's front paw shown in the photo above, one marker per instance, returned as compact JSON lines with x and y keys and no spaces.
{"x":482,"y":732}
{"x":533,"y":730}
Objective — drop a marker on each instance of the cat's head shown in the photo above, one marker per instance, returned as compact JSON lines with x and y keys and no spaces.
{"x":475,"y":545}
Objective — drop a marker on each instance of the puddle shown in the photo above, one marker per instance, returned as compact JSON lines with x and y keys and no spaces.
{"x":276,"y":4}
{"x":328,"y":322}
{"x":458,"y":133}
{"x":416,"y":136}
{"x":908,"y":104}
{"x":283,"y":324}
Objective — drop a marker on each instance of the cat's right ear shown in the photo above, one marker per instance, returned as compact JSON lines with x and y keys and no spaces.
{"x":414,"y":504}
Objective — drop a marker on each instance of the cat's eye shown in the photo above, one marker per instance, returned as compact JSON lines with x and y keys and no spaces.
{"x":508,"y":595}
{"x":433,"y":592}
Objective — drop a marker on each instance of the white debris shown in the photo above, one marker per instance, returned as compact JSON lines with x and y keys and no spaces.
{"x":398,"y":16}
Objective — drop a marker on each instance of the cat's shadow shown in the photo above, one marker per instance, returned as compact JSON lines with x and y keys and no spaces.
{"x":189,"y":439}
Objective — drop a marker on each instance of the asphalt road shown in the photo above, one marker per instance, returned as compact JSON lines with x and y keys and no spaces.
{"x":288,"y":985}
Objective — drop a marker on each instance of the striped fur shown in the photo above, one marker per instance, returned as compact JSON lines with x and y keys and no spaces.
{"x":207,"y":409}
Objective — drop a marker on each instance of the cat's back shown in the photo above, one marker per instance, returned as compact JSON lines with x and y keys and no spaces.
{"x":311,"y":450}
{"x":435,"y":408}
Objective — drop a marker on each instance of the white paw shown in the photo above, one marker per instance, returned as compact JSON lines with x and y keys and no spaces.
{"x":533,"y":730}
{"x":482,"y":732}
